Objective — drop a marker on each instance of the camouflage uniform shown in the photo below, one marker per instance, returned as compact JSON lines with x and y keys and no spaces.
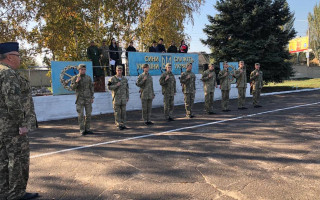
{"x":189,"y":90}
{"x":257,"y":83}
{"x":168,"y":90}
{"x":146,"y":95}
{"x":14,"y":148}
{"x":84,"y":93}
{"x":209,"y":87}
{"x":242,"y":86}
{"x":104,"y":60}
{"x":225,"y":85}
{"x":120,"y":95}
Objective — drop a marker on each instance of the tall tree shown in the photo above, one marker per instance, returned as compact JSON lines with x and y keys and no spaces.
{"x":314,"y":31}
{"x":165,"y":19}
{"x":253,"y":31}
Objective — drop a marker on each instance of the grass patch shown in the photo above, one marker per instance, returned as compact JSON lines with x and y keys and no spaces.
{"x":292,"y":85}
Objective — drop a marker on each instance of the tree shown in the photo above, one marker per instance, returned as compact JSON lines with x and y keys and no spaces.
{"x":165,"y":19}
{"x":314,"y":31}
{"x":253,"y":31}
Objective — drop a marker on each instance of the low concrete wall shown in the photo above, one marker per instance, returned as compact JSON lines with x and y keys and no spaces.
{"x":63,"y":106}
{"x":303,"y":71}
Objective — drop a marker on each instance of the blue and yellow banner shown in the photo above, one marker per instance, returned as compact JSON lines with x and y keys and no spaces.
{"x":158,"y":61}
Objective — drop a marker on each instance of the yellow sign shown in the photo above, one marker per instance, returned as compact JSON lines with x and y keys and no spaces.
{"x":298,"y":44}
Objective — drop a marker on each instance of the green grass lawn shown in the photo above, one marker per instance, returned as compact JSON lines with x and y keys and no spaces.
{"x":292,"y":85}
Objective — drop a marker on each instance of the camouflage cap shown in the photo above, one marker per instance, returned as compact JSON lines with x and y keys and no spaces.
{"x":119,"y":67}
{"x":81,"y":66}
{"x":168,"y":64}
{"x":257,"y":64}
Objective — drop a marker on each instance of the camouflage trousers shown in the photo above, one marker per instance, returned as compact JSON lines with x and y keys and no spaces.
{"x":188,"y":102}
{"x":168,"y":106}
{"x":208,"y":101}
{"x":256,"y":96}
{"x":225,"y":99}
{"x":241,"y":96}
{"x":14,"y":166}
{"x":120,"y":114}
{"x":146,"y":109}
{"x":84,"y":121}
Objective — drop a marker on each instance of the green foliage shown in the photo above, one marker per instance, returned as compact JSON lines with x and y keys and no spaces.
{"x":314,"y":28}
{"x":253,"y":31}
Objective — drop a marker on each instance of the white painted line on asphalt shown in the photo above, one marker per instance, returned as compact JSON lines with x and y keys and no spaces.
{"x":170,"y":131}
{"x":290,"y":91}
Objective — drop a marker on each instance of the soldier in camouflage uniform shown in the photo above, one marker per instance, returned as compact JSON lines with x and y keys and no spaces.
{"x":168,"y":83}
{"x":225,"y":85}
{"x":209,"y":84}
{"x":82,"y":84}
{"x":188,"y":82}
{"x":119,"y":87}
{"x":145,"y":83}
{"x":14,"y":124}
{"x":257,"y":84}
{"x":241,"y":76}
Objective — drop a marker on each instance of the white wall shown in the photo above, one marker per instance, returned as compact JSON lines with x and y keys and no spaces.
{"x":63,"y":106}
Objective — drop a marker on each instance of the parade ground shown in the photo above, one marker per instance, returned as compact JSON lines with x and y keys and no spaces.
{"x":272,"y":152}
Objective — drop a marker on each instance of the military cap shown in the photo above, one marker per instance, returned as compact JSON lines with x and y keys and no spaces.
{"x":81,"y":66}
{"x":257,"y":64}
{"x":119,"y":67}
{"x":145,"y":66}
{"x":8,"y":47}
{"x":241,"y":61}
{"x":168,"y":64}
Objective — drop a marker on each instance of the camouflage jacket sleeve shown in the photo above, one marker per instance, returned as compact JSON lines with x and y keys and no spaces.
{"x":237,"y":74}
{"x":140,"y":82}
{"x":112,"y":84}
{"x":12,"y":96}
{"x":91,"y":88}
{"x":127,"y":90}
{"x":222,"y":75}
{"x":184,"y":79}
{"x":74,"y":85}
{"x":162,"y":79}
{"x":175,"y":85}
{"x":253,"y":75}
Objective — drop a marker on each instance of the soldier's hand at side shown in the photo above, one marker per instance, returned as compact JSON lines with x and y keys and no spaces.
{"x":78,"y":79}
{"x":23,"y":130}
{"x":127,"y":100}
{"x":167,"y":77}
{"x":92,"y":100}
{"x":118,"y":84}
{"x":153,"y":96}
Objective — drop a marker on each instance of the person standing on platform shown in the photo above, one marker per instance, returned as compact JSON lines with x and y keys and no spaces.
{"x":172,"y":48}
{"x":145,"y":83}
{"x":209,"y":84}
{"x":160,"y":47}
{"x":153,"y":48}
{"x":183,"y":47}
{"x":257,"y":84}
{"x":241,"y":75}
{"x":104,"y":59}
{"x":119,"y":87}
{"x":82,"y":84}
{"x":98,"y":72}
{"x":225,"y":85}
{"x":114,"y":56}
{"x":188,"y":82}
{"x":168,"y":83}
{"x":16,"y":120}
{"x":130,"y":48}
